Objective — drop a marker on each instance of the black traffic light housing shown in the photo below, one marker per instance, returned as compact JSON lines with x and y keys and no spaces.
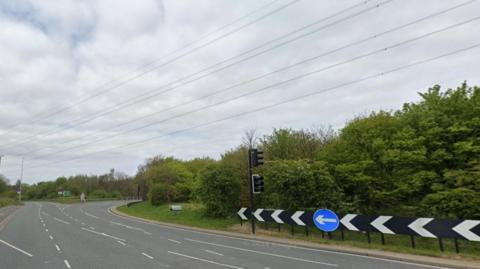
{"x":256,"y":157}
{"x":257,"y":184}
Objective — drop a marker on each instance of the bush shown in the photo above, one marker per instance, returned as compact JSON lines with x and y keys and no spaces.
{"x":219,"y":190}
{"x":99,"y":194}
{"x":7,"y":201}
{"x":157,"y":194}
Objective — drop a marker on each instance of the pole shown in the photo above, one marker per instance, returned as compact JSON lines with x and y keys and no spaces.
{"x":21,"y":179}
{"x":250,"y":173}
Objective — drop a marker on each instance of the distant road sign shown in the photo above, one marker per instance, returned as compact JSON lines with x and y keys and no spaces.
{"x":326,"y":220}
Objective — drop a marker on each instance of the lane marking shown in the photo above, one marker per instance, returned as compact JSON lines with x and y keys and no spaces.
{"x":130,"y":227}
{"x":83,"y":223}
{"x":51,"y":238}
{"x":17,"y":249}
{"x":109,"y":211}
{"x":146,"y":255}
{"x":92,"y":228}
{"x":43,"y":224}
{"x":121,"y":243}
{"x":46,"y":230}
{"x":67,"y":264}
{"x":45,"y":213}
{"x":174,"y":241}
{"x":57,"y":247}
{"x":213,"y":252}
{"x":263,"y":253}
{"x":104,"y":234}
{"x":92,"y":216}
{"x":204,"y":260}
{"x":62,"y":221}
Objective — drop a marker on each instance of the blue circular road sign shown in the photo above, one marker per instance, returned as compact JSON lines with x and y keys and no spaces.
{"x":326,"y":220}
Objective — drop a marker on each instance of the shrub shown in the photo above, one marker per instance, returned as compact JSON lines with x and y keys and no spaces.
{"x":157,"y":194}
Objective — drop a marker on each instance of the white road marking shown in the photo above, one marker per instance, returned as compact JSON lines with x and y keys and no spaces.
{"x":62,"y":221}
{"x":121,"y":243}
{"x":213,"y":252}
{"x":44,"y":213}
{"x":104,"y":234}
{"x":46,"y":230}
{"x":204,"y":260}
{"x":43,"y":224}
{"x":92,"y":216}
{"x":146,"y":255}
{"x":57,"y":247}
{"x":83,"y":223}
{"x":92,"y":228}
{"x":17,"y":249}
{"x":51,"y":238}
{"x":67,"y":264}
{"x":109,"y":210}
{"x":262,"y":252}
{"x":130,"y":227}
{"x":147,"y":233}
{"x":174,"y":241}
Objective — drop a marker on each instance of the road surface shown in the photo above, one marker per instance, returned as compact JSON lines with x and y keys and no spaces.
{"x":48,"y":235}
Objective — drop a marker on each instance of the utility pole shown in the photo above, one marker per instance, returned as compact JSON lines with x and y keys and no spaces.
{"x":250,"y":174}
{"x":20,"y":186}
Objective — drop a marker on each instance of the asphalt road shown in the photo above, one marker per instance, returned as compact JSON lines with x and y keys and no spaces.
{"x":48,"y":235}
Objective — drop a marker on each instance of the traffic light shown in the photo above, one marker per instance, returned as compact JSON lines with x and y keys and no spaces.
{"x":257,"y":184}
{"x":257,"y":157}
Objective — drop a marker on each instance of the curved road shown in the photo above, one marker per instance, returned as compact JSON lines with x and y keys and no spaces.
{"x":48,"y":235}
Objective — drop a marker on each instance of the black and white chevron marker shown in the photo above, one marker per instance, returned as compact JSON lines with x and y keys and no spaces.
{"x":424,"y":227}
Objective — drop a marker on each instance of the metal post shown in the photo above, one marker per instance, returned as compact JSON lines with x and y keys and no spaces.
{"x":292,"y":229}
{"x":323,"y":234}
{"x":412,"y":240}
{"x":457,"y":249}
{"x":382,"y":236}
{"x":329,"y":235}
{"x":21,"y":179}
{"x":306,"y":230}
{"x":368,"y":236}
{"x":251,"y":187}
{"x":440,"y":244}
{"x":279,"y":227}
{"x":342,"y":234}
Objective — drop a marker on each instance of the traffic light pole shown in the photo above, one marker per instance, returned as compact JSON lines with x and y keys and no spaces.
{"x":250,"y":174}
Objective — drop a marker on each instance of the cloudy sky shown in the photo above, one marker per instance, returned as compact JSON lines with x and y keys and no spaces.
{"x":90,"y":85}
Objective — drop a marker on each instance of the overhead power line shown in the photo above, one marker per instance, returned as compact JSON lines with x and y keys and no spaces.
{"x":155,"y":67}
{"x":154,"y":93}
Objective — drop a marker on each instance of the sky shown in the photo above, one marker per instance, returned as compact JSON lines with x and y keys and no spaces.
{"x":87,"y":85}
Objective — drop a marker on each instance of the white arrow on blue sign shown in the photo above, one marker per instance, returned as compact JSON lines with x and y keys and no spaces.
{"x":326,"y":220}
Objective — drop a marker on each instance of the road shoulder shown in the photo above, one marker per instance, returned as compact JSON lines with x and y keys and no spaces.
{"x":433,"y":261}
{"x":6,"y":213}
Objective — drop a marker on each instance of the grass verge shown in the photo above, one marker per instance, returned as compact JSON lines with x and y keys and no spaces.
{"x":4,"y":201}
{"x":192,"y":216}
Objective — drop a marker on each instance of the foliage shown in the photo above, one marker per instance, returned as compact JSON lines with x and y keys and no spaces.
{"x":157,"y":194}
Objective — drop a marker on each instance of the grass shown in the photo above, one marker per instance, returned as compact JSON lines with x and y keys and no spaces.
{"x":192,"y":216}
{"x":4,"y":201}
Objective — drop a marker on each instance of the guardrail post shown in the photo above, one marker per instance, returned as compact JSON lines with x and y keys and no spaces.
{"x":342,"y":234}
{"x":382,"y":236}
{"x":412,"y":240}
{"x":457,"y":249}
{"x":292,"y":229}
{"x":440,"y":244}
{"x":329,"y":235}
{"x":306,"y":230}
{"x":368,"y":236}
{"x":279,"y":227}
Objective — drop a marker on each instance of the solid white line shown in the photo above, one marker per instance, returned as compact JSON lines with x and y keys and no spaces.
{"x":104,"y":234}
{"x":17,"y":249}
{"x":174,"y":241}
{"x":146,"y":255}
{"x":263,"y":253}
{"x":57,"y":247}
{"x":67,"y":264}
{"x":121,"y":243}
{"x":204,"y":260}
{"x":213,"y":252}
{"x":62,"y":221}
{"x":51,"y":238}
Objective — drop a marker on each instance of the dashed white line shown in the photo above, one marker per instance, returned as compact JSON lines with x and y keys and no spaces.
{"x":204,"y":260}
{"x":146,"y":255}
{"x":67,"y":264}
{"x":104,"y":234}
{"x":51,"y":237}
{"x":43,"y":224}
{"x":17,"y":249}
{"x":46,"y":230}
{"x":121,"y":243}
{"x":83,"y":223}
{"x":92,"y":228}
{"x":57,"y":247}
{"x":213,"y":252}
{"x":62,"y":221}
{"x":174,"y":241}
{"x":262,"y":252}
{"x":90,"y":215}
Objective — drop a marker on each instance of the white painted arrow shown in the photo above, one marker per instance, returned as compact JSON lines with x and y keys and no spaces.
{"x":464,"y":229}
{"x":257,"y":214}
{"x":275,"y":216}
{"x":379,"y":222}
{"x":346,"y":221}
{"x":417,"y":226}
{"x":320,"y":219}
{"x":241,"y":213}
{"x":296,"y":217}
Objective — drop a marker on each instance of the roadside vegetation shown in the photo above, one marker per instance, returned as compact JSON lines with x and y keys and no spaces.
{"x":8,"y":196}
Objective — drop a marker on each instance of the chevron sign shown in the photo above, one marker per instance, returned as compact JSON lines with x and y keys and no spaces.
{"x":424,"y":227}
